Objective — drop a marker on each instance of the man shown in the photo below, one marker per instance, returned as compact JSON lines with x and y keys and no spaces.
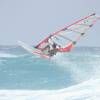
{"x":51,"y":47}
{"x":53,"y":50}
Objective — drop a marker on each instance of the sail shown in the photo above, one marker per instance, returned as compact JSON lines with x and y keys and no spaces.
{"x":70,"y":34}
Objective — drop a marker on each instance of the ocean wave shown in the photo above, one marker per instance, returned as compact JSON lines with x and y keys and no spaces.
{"x":8,"y":55}
{"x":89,"y":90}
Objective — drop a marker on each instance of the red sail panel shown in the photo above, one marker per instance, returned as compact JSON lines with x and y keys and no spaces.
{"x":70,"y":34}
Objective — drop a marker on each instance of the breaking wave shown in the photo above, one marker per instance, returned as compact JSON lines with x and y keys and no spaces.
{"x":89,"y":90}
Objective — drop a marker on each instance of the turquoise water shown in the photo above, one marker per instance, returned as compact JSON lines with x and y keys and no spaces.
{"x":22,"y":71}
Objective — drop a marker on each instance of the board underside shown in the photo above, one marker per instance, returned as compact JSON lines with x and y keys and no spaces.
{"x":33,"y":50}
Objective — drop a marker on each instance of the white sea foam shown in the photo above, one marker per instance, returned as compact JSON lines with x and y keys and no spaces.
{"x":8,"y":55}
{"x":89,"y":90}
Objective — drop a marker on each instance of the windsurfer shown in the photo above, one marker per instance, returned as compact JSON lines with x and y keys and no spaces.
{"x":52,"y":47}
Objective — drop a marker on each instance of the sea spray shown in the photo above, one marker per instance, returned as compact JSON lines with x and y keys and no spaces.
{"x":79,"y":65}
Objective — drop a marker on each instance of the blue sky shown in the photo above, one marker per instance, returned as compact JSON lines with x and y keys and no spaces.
{"x":32,"y":20}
